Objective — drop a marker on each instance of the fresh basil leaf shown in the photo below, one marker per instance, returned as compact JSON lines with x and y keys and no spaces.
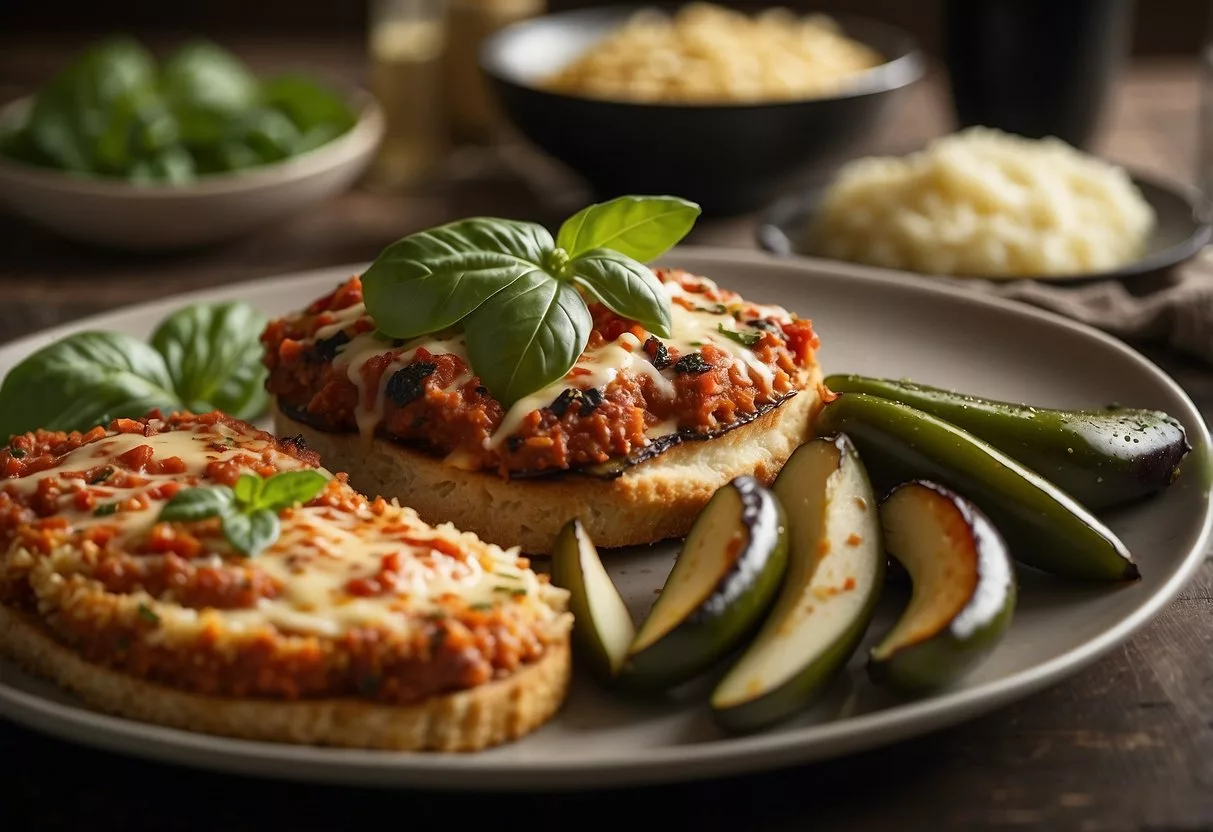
{"x":527,"y":336}
{"x":207,"y":86}
{"x":641,"y":227}
{"x":156,"y":129}
{"x":198,"y":504}
{"x":18,"y":144}
{"x":213,"y":355}
{"x":286,"y":488}
{"x":315,"y":137}
{"x":626,"y":287}
{"x":228,"y":155}
{"x":173,"y":165}
{"x":308,"y":104}
{"x":84,"y":380}
{"x":56,"y":137}
{"x":248,"y":490}
{"x":433,"y":279}
{"x":267,"y":132}
{"x":250,"y":533}
{"x":746,"y":339}
{"x":84,"y":119}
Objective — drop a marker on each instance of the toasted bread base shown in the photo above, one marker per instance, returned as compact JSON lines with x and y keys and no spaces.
{"x":652,"y":501}
{"x":470,"y":720}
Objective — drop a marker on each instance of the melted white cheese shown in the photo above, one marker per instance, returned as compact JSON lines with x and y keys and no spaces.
{"x":694,"y":328}
{"x":342,"y":319}
{"x":354,"y":356}
{"x":320,"y":550}
{"x":596,"y":368}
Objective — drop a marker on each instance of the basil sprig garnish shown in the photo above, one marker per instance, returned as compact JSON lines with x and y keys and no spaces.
{"x":519,"y":295}
{"x":249,"y":511}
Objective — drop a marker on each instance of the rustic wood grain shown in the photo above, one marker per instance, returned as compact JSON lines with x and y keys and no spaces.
{"x":1125,"y":745}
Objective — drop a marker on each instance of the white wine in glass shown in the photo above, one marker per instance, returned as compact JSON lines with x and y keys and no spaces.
{"x":407,"y":42}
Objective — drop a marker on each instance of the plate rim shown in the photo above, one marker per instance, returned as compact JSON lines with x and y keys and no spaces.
{"x":725,"y":757}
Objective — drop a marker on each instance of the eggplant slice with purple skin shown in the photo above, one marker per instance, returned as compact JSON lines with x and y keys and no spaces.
{"x":609,"y":470}
{"x":1045,"y":527}
{"x":617,"y":467}
{"x":602,"y":627}
{"x":964,"y":589}
{"x":724,"y":581}
{"x":836,"y":565}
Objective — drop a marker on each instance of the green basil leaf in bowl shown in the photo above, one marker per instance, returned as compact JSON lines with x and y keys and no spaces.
{"x":84,"y":380}
{"x":172,"y":164}
{"x":212,"y":353}
{"x":207,"y":86}
{"x":268,"y":133}
{"x":82,"y":120}
{"x":307,"y":103}
{"x":113,"y":113}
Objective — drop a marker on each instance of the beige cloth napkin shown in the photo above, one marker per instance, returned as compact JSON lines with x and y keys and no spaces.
{"x":1175,"y":309}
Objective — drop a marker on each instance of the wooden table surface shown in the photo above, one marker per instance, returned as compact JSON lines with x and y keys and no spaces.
{"x":1126,"y":744}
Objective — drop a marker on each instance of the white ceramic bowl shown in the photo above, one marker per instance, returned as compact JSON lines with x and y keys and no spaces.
{"x":117,"y":214}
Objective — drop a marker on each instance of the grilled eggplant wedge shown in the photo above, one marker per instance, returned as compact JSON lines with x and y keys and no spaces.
{"x":835,"y":571}
{"x":964,"y":589}
{"x":1045,"y":527}
{"x":602,"y":626}
{"x":722,"y":585}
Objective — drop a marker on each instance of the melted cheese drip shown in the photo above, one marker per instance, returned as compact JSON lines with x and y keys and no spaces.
{"x":699,"y":327}
{"x":342,"y":319}
{"x":597,"y":368}
{"x":320,"y":548}
{"x":361,"y":349}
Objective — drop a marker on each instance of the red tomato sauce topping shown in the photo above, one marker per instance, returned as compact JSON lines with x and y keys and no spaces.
{"x":448,"y":409}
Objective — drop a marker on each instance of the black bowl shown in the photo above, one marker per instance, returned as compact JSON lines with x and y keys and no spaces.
{"x":1181,"y":231}
{"x":730,"y":158}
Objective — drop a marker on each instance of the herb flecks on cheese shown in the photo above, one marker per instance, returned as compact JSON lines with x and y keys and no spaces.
{"x":341,"y":563}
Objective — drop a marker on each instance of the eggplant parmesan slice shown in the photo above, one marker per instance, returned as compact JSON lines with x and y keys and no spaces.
{"x":359,"y":625}
{"x":634,"y":439}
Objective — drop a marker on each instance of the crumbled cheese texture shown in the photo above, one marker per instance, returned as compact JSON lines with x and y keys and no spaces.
{"x":341,"y":561}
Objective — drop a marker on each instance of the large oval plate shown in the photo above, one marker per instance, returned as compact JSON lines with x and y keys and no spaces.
{"x":868,"y":324}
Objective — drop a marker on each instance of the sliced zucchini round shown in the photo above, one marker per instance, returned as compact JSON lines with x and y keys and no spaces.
{"x":602,"y":625}
{"x":721,"y":586}
{"x":964,"y":588}
{"x":836,"y":568}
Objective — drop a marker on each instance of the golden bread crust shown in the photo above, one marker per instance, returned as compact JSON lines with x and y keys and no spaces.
{"x":654,"y":500}
{"x":468,"y":720}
